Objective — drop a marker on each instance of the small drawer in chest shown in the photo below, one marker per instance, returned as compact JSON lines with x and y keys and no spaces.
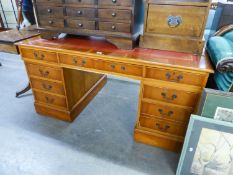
{"x":50,"y":11}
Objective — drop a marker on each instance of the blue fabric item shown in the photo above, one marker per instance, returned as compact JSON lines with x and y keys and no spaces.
{"x":27,"y":5}
{"x":229,"y":35}
{"x":220,"y":50}
{"x":223,"y":81}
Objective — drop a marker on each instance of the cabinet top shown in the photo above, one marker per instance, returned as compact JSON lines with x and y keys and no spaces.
{"x":98,"y":47}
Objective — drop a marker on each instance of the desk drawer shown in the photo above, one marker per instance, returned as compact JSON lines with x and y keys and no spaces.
{"x":81,"y":24}
{"x":121,"y":68}
{"x":113,"y":14}
{"x":116,"y":2}
{"x":172,"y":75}
{"x":74,"y":60}
{"x":162,"y":126}
{"x":115,"y":27}
{"x":50,"y":11}
{"x":81,"y":12}
{"x":166,"y":111}
{"x":49,"y":86}
{"x":81,"y":2}
{"x":43,"y":71}
{"x":50,"y":99}
{"x":170,"y":95}
{"x":39,"y":55}
{"x":176,"y":20}
{"x":51,"y":22}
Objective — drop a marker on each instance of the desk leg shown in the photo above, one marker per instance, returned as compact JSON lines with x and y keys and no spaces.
{"x":24,"y":90}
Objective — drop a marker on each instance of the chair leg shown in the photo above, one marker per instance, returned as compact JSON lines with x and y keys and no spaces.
{"x":24,"y":90}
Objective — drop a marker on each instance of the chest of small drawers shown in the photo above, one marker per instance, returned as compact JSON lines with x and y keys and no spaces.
{"x":170,"y":22}
{"x":119,"y":21}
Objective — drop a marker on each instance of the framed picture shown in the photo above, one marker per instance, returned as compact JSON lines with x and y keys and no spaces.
{"x":211,"y":99}
{"x":208,"y":148}
{"x":224,"y":114}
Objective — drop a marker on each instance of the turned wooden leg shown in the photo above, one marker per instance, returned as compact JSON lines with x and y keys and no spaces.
{"x":24,"y":90}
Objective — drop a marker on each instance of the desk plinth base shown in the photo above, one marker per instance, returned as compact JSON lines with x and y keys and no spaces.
{"x":70,"y":115}
{"x":162,"y":141}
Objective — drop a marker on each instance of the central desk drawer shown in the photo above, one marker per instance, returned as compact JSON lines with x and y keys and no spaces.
{"x":39,"y":55}
{"x":81,"y":24}
{"x":81,"y":12}
{"x":50,"y":11}
{"x":43,"y":71}
{"x":74,"y":60}
{"x":172,"y":75}
{"x":50,"y":99}
{"x":113,"y":14}
{"x":122,"y":68}
{"x":169,"y":95}
{"x":162,"y":126}
{"x":166,"y":111}
{"x":48,"y":86}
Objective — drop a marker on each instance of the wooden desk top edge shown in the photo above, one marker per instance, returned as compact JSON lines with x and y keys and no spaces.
{"x":203,"y":63}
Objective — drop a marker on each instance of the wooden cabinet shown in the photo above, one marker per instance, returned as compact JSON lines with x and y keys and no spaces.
{"x":171,"y":83}
{"x":119,"y":21}
{"x":171,"y":22}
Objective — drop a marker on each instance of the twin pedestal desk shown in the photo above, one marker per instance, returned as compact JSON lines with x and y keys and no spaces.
{"x":66,"y":74}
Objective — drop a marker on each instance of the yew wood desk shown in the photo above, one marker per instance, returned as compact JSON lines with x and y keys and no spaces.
{"x":65,"y":75}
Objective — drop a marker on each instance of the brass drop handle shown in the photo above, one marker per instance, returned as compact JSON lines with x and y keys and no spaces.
{"x":79,"y":12}
{"x":123,"y":68}
{"x":169,"y":113}
{"x":42,"y":56}
{"x":49,"y":10}
{"x":174,"y":21}
{"x":177,"y":79}
{"x":84,"y":62}
{"x":164,"y":95}
{"x":44,"y":73}
{"x":35,"y":55}
{"x":165,"y":128}
{"x":113,"y":14}
{"x":47,"y":87}
{"x":74,"y":61}
{"x":49,"y":100}
{"x":113,"y":66}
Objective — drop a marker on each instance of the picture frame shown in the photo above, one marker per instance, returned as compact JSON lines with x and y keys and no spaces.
{"x":208,"y":148}
{"x":211,"y":99}
{"x":224,"y":114}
